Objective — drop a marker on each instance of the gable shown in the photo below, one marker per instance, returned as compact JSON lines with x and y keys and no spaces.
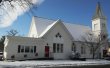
{"x":57,"y":27}
{"x":47,"y":29}
{"x":41,"y":24}
{"x":33,"y":30}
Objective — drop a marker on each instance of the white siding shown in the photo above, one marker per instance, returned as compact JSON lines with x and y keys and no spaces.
{"x":66,"y":40}
{"x":12,"y":48}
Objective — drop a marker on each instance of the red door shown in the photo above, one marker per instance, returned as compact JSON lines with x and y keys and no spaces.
{"x":46,"y":51}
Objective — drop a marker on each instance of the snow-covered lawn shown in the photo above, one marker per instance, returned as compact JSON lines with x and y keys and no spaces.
{"x":50,"y":63}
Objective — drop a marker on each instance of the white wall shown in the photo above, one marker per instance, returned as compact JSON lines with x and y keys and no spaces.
{"x":99,"y":29}
{"x":78,"y":45}
{"x":66,"y":40}
{"x":96,"y":30}
{"x":12,"y":47}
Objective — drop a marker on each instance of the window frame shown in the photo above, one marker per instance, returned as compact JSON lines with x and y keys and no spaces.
{"x":58,"y":47}
{"x":27,"y":49}
{"x":31,"y":49}
{"x":73,"y":48}
{"x":35,"y":49}
{"x":22,"y":49}
{"x":54,"y":47}
{"x":83,"y":49}
{"x":19,"y":48}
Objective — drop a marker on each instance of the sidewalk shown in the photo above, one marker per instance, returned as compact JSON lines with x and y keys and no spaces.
{"x":51,"y":63}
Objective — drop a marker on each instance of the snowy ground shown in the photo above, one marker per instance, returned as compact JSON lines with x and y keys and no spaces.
{"x":50,"y":63}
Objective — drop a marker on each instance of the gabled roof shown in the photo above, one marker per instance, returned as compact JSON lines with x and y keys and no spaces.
{"x":77,"y":31}
{"x":43,"y":25}
{"x":48,"y":28}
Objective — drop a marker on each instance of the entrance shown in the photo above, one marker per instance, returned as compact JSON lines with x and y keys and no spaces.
{"x":47,"y":51}
{"x":104,"y":53}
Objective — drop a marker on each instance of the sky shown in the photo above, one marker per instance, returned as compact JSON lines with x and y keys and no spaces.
{"x":71,"y":11}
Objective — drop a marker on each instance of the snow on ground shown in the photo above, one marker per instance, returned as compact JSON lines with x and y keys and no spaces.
{"x":49,"y":63}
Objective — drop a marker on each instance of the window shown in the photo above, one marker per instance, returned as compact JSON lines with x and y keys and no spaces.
{"x":57,"y":48}
{"x":83,"y":50}
{"x":22,"y":48}
{"x":26,"y":49}
{"x":54,"y":47}
{"x":34,"y":49}
{"x":103,"y":25}
{"x":58,"y":35}
{"x":19,"y":48}
{"x":95,"y":26}
{"x":61,"y":48}
{"x":73,"y":48}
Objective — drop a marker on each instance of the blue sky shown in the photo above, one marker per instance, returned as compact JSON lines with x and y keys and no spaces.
{"x":72,"y":11}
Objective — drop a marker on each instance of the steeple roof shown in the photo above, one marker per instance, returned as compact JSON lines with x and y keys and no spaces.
{"x":98,"y":12}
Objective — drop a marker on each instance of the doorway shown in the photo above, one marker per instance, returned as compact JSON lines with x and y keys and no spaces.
{"x":47,"y":51}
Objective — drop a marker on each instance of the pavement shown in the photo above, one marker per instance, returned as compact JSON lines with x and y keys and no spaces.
{"x":55,"y":64}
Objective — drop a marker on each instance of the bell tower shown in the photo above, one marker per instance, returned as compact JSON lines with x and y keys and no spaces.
{"x":99,"y":24}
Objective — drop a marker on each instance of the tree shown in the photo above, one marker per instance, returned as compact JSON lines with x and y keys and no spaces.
{"x":10,"y":10}
{"x":94,"y":42}
{"x":21,"y":2}
{"x":89,"y":41}
{"x":12,"y":32}
{"x":24,"y":4}
{"x":2,"y":43}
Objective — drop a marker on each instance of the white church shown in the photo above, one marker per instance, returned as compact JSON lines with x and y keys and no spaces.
{"x":55,"y":39}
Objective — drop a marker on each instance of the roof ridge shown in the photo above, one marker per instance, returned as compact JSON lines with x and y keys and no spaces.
{"x":44,"y":18}
{"x":77,"y":24}
{"x":62,"y":21}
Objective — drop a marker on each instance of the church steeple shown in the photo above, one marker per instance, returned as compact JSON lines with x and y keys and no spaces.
{"x":98,"y":12}
{"x":99,"y":22}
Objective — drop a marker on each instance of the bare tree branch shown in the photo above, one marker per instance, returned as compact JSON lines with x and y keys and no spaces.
{"x":94,"y":42}
{"x":11,"y":9}
{"x":12,"y":32}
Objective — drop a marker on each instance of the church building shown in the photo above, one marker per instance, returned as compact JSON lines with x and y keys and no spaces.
{"x":56,"y":39}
